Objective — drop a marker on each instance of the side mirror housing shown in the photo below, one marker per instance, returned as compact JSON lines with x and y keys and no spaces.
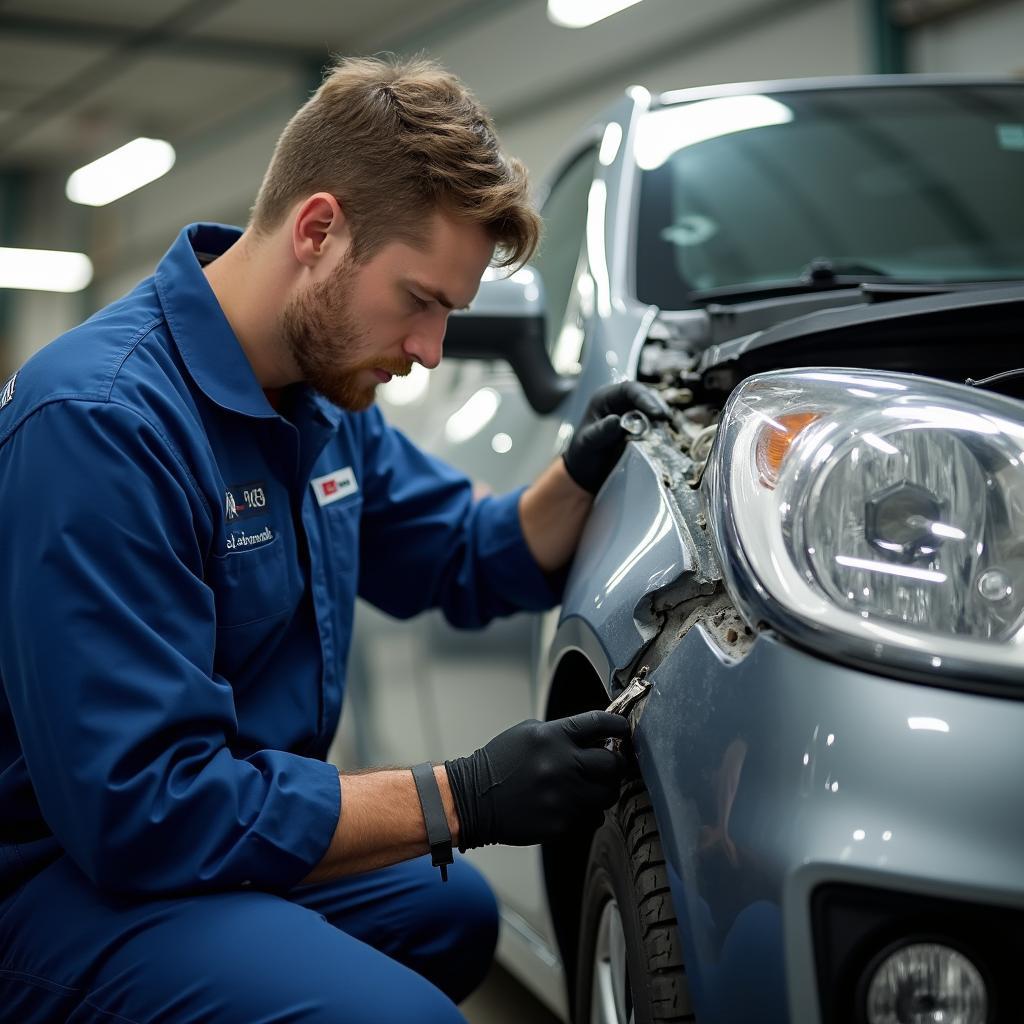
{"x":506,"y":321}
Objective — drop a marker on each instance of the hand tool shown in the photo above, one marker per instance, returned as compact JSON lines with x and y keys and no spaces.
{"x":627,"y":700}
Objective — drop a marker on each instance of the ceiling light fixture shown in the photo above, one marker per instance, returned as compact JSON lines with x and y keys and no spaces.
{"x":45,"y":270}
{"x":135,"y":164}
{"x":580,"y":13}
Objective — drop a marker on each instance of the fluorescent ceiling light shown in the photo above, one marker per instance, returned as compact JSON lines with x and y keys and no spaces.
{"x":580,"y":13}
{"x":45,"y":270}
{"x":662,"y":132}
{"x":133,"y":165}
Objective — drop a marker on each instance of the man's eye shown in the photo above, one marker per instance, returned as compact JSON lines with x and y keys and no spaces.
{"x":420,"y":303}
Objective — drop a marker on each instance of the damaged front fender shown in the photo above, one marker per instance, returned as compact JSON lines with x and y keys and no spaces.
{"x":644,"y":561}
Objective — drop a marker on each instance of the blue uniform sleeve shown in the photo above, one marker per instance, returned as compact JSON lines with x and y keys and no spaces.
{"x":106,"y":655}
{"x":425,"y":543}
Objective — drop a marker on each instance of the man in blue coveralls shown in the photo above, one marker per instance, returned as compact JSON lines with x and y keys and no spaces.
{"x":196,"y":485}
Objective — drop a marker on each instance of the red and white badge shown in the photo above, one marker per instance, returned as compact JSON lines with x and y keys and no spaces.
{"x":334,"y":486}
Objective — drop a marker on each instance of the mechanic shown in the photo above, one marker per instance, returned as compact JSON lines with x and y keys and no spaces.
{"x":196,"y":486}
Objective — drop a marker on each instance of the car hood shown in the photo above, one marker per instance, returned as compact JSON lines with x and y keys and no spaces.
{"x":968,"y":332}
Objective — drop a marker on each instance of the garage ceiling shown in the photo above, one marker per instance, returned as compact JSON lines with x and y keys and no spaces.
{"x":77,"y":80}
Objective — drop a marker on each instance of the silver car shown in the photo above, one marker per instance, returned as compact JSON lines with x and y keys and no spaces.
{"x":813,"y":577}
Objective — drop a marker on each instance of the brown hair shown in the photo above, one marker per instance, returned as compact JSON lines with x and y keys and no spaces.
{"x":394,"y":140}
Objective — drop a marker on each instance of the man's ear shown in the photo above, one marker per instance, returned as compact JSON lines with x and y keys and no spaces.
{"x":319,"y":229}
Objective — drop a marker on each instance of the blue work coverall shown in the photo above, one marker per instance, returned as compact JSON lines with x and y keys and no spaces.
{"x":179,"y":565}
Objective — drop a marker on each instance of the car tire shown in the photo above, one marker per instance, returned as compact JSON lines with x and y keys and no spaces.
{"x":630,"y":968}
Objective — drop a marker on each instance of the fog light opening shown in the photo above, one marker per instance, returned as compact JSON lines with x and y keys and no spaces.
{"x":925,"y":983}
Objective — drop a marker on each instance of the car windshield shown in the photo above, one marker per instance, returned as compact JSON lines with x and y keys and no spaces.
{"x":917,"y":183}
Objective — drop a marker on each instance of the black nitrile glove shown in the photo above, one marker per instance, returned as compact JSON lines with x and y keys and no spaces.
{"x":537,"y":780}
{"x":599,"y":439}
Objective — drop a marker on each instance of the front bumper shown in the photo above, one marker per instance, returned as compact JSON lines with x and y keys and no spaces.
{"x":778,"y":774}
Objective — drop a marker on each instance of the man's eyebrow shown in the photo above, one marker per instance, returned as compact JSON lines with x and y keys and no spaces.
{"x":436,"y":294}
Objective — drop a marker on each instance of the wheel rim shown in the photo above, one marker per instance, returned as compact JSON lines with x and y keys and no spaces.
{"x":611,"y":998}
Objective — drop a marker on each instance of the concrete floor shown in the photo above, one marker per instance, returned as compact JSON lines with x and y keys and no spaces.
{"x":503,"y":1000}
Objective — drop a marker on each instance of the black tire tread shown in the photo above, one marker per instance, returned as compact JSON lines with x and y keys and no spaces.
{"x":669,"y":991}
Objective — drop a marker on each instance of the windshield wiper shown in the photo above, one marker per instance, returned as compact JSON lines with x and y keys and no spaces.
{"x":825,"y":271}
{"x":822,"y":274}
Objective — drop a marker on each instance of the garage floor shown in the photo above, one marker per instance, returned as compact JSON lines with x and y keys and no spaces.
{"x":503,"y":1000}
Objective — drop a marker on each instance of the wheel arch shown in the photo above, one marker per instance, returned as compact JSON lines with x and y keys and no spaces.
{"x":576,"y":686}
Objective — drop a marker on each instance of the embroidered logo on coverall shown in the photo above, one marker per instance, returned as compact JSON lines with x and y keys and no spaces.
{"x":334,"y":486}
{"x":8,"y":392}
{"x":244,"y":500}
{"x":240,"y":540}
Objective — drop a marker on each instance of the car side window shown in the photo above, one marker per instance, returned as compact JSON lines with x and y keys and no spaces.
{"x":565,"y":223}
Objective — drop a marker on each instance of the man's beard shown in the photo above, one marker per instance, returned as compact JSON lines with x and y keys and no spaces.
{"x":328,"y":344}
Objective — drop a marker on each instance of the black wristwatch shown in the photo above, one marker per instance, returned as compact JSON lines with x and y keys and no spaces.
{"x":439,"y":836}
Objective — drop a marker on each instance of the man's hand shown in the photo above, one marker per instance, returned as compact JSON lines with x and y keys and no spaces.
{"x":599,"y":439}
{"x":537,"y":780}
{"x":530,"y":784}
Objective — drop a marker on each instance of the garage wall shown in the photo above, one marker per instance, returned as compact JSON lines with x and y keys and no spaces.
{"x":40,"y":218}
{"x":989,"y":37}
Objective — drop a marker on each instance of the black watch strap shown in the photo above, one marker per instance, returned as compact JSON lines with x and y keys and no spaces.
{"x":439,"y":836}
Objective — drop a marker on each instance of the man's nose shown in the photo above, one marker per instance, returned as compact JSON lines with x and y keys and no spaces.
{"x":426,"y":344}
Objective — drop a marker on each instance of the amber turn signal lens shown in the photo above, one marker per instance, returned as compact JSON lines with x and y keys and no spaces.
{"x":775,"y":440}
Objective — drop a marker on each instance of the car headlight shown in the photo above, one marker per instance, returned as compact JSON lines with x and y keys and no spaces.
{"x":879,"y":515}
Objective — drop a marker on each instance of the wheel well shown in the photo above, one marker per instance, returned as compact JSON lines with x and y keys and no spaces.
{"x":576,"y":687}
